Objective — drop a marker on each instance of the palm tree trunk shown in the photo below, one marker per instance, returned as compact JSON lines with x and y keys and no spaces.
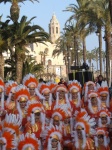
{"x":41,"y":59}
{"x":90,"y":63}
{"x":66,"y":64}
{"x":108,"y":54}
{"x":20,"y":57}
{"x":84,"y":50}
{"x":100,"y":51}
{"x":97,"y":64}
{"x":19,"y":68}
{"x":44,"y":59}
{"x":69,"y":59}
{"x":1,"y":66}
{"x":104,"y":67}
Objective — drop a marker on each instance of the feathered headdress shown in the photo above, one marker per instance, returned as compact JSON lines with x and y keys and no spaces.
{"x":28,"y":141}
{"x":34,"y":107}
{"x":61,"y":87}
{"x":21,"y":91}
{"x":84,"y":124}
{"x":101,"y":131}
{"x":58,"y":88}
{"x":52,"y":86}
{"x":30,"y":81}
{"x":80,"y":114}
{"x":86,"y":89}
{"x":74,"y":85}
{"x":104,"y":90}
{"x":2,"y":85}
{"x":12,"y":123}
{"x":59,"y":111}
{"x":8,"y":140}
{"x":21,"y":94}
{"x":103,"y":113}
{"x":50,"y":133}
{"x":45,"y":88}
{"x":90,"y":95}
{"x":10,"y":87}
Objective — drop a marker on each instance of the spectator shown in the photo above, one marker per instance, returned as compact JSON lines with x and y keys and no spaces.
{"x":96,"y":80}
{"x":100,"y":79}
{"x":62,"y":81}
{"x":41,"y":81}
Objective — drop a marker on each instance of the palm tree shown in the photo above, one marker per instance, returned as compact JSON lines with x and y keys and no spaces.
{"x":104,"y":60}
{"x":10,"y":69}
{"x":14,"y":9}
{"x":82,"y":32}
{"x":95,"y":51}
{"x":3,"y":44}
{"x":75,"y":39}
{"x":96,"y":15}
{"x":90,"y":57}
{"x":30,"y":65}
{"x":45,"y":53}
{"x":41,"y":54}
{"x":63,"y":45}
{"x":80,"y":56}
{"x":22,"y":34}
{"x":2,"y":49}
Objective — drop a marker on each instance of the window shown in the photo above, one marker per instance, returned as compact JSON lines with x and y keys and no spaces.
{"x":49,"y":62}
{"x":52,"y":30}
{"x":56,"y":29}
{"x":46,"y":51}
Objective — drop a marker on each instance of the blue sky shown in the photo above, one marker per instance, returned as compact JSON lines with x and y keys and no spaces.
{"x":44,"y":11}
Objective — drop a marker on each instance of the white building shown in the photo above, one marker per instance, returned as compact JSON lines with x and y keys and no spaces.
{"x":43,"y":53}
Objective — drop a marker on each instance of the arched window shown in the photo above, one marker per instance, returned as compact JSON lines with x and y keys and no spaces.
{"x":56,"y":29}
{"x":49,"y":62}
{"x":46,"y":51}
{"x":52,"y":29}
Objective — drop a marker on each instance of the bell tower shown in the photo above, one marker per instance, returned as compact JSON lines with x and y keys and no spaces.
{"x":54,"y":29}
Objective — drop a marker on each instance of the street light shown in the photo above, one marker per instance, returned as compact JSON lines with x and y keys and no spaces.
{"x":71,"y":48}
{"x":99,"y":34}
{"x":69,"y":58}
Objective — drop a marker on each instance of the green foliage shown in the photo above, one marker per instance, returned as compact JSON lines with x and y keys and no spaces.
{"x":30,"y":66}
{"x":10,"y":69}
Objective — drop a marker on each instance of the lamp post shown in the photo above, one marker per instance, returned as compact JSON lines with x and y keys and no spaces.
{"x":99,"y":34}
{"x":60,"y":71}
{"x":105,"y":59}
{"x":69,"y":59}
{"x":78,"y":57}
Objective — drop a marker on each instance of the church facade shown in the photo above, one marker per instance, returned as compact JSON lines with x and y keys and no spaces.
{"x":54,"y":66}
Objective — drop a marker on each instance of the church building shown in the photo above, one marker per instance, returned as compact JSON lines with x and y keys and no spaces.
{"x":54,"y":66}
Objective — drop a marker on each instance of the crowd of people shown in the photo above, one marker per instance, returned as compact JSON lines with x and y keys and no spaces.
{"x":49,"y":116}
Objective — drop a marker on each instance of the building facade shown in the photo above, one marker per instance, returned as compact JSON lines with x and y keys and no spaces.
{"x":54,"y":66}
